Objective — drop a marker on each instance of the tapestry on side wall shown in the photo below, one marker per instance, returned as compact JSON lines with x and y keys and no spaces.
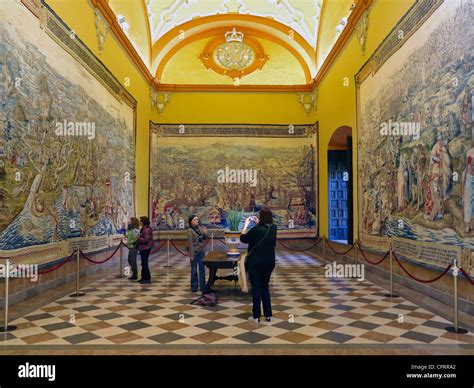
{"x":210,"y":170}
{"x":416,"y":137}
{"x":67,"y":140}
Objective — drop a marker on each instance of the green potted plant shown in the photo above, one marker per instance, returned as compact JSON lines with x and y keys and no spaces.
{"x":232,"y":234}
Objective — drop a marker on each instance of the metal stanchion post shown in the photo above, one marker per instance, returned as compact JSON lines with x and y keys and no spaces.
{"x":5,"y":326}
{"x":120,"y":274}
{"x":78,"y":272}
{"x":212,"y":242}
{"x":356,"y":245}
{"x":167,"y":253}
{"x":455,"y":328}
{"x":391,"y":295}
{"x":324,"y":249}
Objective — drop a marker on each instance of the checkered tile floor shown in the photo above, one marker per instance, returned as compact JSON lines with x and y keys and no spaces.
{"x":308,"y":309}
{"x":285,"y":259}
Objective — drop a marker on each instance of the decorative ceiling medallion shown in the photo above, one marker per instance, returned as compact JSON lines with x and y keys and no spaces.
{"x":231,"y":56}
{"x":234,"y":56}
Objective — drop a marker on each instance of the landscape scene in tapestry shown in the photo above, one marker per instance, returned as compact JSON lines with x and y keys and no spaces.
{"x":416,"y":158}
{"x":57,"y":186}
{"x":212,"y":177}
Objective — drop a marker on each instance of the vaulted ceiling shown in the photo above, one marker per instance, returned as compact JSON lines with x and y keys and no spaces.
{"x":225,"y":42}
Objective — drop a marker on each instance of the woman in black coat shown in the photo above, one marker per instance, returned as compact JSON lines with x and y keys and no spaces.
{"x":260,"y":261}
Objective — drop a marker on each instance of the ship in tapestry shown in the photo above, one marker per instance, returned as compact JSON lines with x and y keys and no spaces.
{"x":210,"y":176}
{"x":66,"y":144}
{"x":416,"y":151}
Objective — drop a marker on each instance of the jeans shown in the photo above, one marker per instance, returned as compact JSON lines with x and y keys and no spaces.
{"x":198,"y":262}
{"x":259,"y":279}
{"x":145,"y":270}
{"x":132,"y":261}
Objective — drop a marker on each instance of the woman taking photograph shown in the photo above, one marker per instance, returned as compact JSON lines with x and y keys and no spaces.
{"x":260,"y":261}
{"x":145,"y":243}
{"x":197,"y":235}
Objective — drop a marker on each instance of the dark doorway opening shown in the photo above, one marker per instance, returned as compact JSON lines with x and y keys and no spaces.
{"x":340,"y":211}
{"x":338,"y":197}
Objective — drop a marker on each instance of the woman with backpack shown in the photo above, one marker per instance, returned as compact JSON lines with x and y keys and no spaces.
{"x":260,"y":261}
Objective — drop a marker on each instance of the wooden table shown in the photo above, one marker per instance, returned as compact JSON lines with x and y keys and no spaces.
{"x":219,"y":260}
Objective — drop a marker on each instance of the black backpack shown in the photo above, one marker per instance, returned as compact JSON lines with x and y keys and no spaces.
{"x":206,"y":300}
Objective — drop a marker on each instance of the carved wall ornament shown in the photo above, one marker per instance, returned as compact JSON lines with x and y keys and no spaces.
{"x":101,"y":28}
{"x":308,"y":101}
{"x":362,"y":29}
{"x":159,"y":100}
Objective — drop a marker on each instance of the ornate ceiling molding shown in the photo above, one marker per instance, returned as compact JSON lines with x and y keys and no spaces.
{"x":283,"y":11}
{"x":263,"y":27}
{"x":220,"y":31}
{"x":360,"y":7}
{"x":235,"y":88}
{"x":234,"y":6}
{"x":109,"y":15}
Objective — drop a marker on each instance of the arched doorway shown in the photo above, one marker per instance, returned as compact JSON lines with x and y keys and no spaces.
{"x":340,"y":203}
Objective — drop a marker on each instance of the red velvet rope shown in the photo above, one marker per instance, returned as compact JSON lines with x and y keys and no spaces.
{"x":466,"y":275}
{"x":103,"y":261}
{"x":299,"y":250}
{"x":222,"y":242}
{"x":179,"y":250}
{"x":157,"y":249}
{"x":153,"y":251}
{"x":54,"y":268}
{"x":340,"y":253}
{"x":372,"y":262}
{"x":420,"y":280}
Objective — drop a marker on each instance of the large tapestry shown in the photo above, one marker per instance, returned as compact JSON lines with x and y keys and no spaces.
{"x":66,"y":141}
{"x":210,"y":170}
{"x":416,"y":137}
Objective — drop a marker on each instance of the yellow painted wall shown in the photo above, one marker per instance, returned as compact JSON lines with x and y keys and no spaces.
{"x":337,"y":103}
{"x":186,"y":108}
